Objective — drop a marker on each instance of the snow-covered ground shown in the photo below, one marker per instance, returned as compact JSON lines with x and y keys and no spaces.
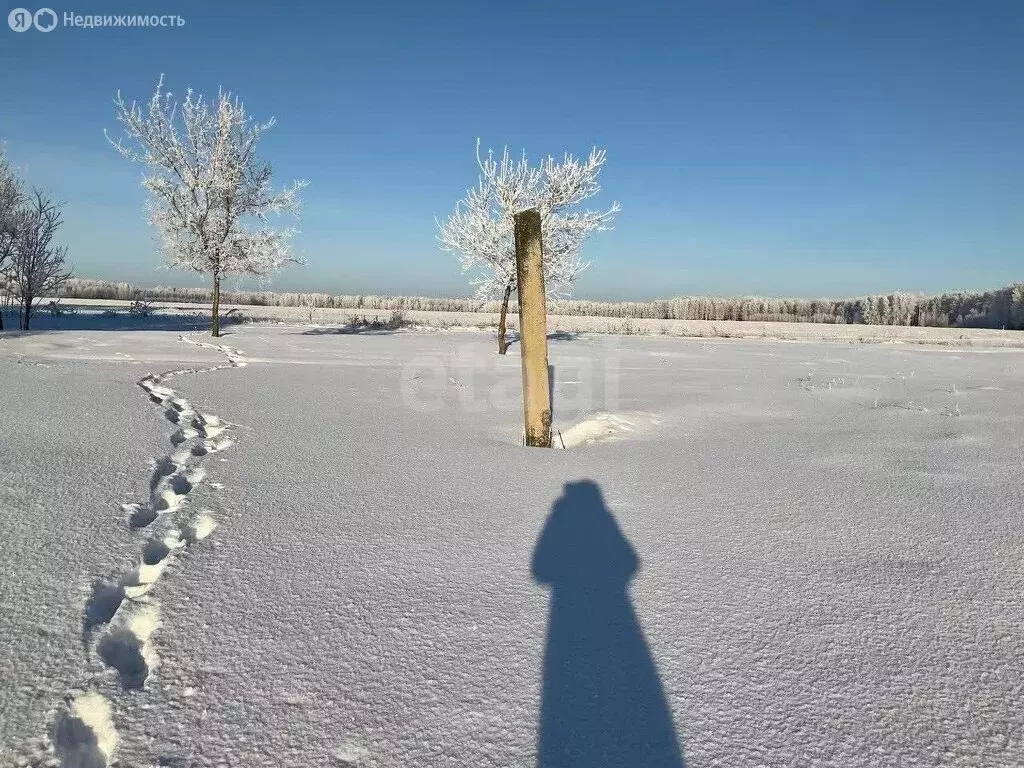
{"x":172,"y":314}
{"x":753,"y":553}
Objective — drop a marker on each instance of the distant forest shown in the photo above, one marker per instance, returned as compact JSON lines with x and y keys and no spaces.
{"x":1000,"y":308}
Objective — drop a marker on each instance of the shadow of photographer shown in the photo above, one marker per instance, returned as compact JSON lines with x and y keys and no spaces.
{"x":602,"y":701}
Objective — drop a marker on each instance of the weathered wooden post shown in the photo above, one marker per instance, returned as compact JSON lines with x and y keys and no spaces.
{"x":533,"y":332}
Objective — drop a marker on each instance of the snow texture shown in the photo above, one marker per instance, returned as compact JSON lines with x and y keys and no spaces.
{"x":790,"y":554}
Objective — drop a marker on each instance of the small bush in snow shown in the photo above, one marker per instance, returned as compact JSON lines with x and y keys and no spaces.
{"x":56,"y":309}
{"x":393,"y":323}
{"x":396,"y":321}
{"x":140,"y":308}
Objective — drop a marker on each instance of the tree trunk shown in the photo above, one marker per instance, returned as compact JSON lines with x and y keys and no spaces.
{"x":502,"y":343}
{"x":26,"y":313}
{"x":216,"y":304}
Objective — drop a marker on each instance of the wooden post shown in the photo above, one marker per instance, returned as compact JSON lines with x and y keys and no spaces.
{"x":533,"y":335}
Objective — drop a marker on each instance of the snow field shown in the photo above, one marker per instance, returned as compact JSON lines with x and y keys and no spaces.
{"x":826,"y":562}
{"x":174,"y":314}
{"x":121,"y":616}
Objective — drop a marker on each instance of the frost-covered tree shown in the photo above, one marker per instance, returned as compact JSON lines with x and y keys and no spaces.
{"x":210,"y":195}
{"x":37,"y":265}
{"x":481,"y":230}
{"x":12,"y":195}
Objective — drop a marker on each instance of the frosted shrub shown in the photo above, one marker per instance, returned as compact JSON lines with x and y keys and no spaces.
{"x":56,"y":309}
{"x":140,"y":308}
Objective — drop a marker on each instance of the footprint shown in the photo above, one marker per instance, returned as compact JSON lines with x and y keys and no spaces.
{"x":123,"y":651}
{"x":163,"y":467}
{"x":172,"y":416}
{"x":102,"y":604}
{"x":156,"y":551}
{"x":204,"y":425}
{"x":179,"y":404}
{"x":179,"y":415}
{"x":212,"y":430}
{"x":172,"y":490}
{"x":140,"y":515}
{"x":184,"y":433}
{"x":157,"y":392}
{"x":126,"y":646}
{"x":84,"y":735}
{"x":184,"y":482}
{"x":211,"y":446}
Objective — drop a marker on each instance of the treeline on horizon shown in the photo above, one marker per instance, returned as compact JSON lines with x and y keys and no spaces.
{"x":999,"y":308}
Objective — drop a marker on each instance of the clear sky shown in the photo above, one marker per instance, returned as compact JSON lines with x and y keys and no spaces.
{"x":826,"y":147}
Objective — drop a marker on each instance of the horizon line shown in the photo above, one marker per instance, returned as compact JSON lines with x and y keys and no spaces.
{"x":917,"y":294}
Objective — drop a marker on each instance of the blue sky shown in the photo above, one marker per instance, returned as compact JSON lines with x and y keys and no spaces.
{"x":757,"y":147}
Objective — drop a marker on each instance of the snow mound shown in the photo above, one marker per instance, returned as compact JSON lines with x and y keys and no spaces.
{"x":604,"y":427}
{"x":351,"y":754}
{"x":200,"y":527}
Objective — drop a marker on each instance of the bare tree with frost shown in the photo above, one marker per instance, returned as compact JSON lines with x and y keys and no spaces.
{"x":37,"y":264}
{"x":12,"y":195}
{"x":482,"y":228}
{"x":210,"y":195}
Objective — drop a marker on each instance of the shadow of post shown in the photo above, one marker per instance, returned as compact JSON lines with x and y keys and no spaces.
{"x":512,"y":337}
{"x":602,"y":702}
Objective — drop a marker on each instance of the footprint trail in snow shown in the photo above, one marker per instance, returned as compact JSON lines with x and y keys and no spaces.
{"x":121,"y":614}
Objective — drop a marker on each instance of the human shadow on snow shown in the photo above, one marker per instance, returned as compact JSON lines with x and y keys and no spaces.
{"x":602,"y":703}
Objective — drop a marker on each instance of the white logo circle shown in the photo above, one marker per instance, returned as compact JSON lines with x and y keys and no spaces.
{"x":20,"y":19}
{"x":45,"y":19}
